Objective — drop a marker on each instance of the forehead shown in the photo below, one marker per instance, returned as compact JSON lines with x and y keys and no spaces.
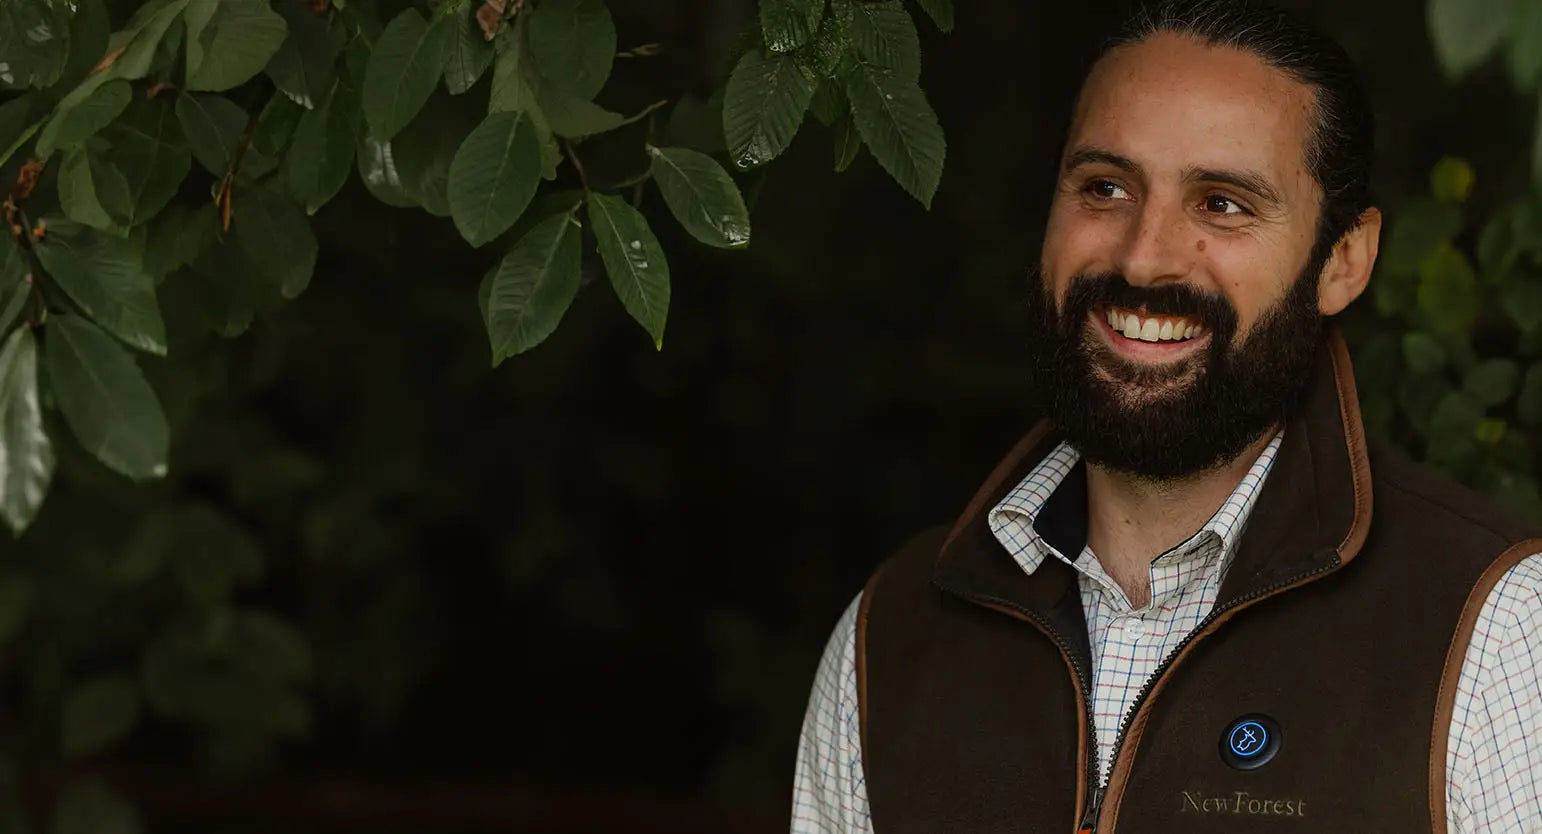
{"x":1171,"y":102}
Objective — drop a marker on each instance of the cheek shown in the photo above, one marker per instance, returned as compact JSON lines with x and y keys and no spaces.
{"x":1250,"y":279}
{"x":1077,"y":240}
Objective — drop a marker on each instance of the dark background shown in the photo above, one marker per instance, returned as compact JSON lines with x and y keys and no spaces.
{"x":586,"y":591}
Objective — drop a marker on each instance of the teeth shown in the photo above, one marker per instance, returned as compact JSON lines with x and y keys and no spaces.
{"x":1152,"y":329}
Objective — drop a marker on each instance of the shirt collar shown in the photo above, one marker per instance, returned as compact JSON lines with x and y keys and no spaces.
{"x":1015,"y":520}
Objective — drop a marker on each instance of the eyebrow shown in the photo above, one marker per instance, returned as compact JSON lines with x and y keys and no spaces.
{"x":1250,"y":181}
{"x":1090,"y":156}
{"x":1245,"y":180}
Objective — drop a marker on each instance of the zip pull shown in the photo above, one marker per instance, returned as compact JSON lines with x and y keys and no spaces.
{"x":1090,"y":819}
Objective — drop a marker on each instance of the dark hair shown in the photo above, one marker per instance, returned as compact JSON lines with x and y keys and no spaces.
{"x":1341,"y":143}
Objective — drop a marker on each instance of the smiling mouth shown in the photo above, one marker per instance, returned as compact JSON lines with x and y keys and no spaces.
{"x":1134,"y":325}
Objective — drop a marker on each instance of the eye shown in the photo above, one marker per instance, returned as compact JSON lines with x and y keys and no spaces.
{"x":1105,"y":190}
{"x":1219,"y":204}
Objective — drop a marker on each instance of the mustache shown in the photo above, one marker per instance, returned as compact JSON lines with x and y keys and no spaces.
{"x":1110,"y":289}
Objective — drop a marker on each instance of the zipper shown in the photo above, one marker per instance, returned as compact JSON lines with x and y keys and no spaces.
{"x":1090,"y":819}
{"x":1094,"y":802}
{"x":1083,"y":684}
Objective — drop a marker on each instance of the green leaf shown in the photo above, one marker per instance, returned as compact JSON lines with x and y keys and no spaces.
{"x":178,"y":236}
{"x":377,"y":168}
{"x":98,"y":713}
{"x":573,"y":43}
{"x":80,"y":121}
{"x":425,"y":149}
{"x":93,"y":192}
{"x":512,"y":89}
{"x":883,"y":34}
{"x":763,"y":107}
{"x":90,"y":807}
{"x":470,"y":53}
{"x":533,"y":286}
{"x":898,"y":126}
{"x":1453,"y":429}
{"x":940,"y":11}
{"x":1492,"y":381}
{"x":224,"y":290}
{"x":788,"y":24}
{"x":229,"y":41}
{"x":271,"y":646}
{"x":89,"y":29}
{"x":34,"y":40}
{"x":104,"y":398}
{"x":1490,"y":431}
{"x":493,"y":176}
{"x":318,"y":162}
{"x":570,"y":116}
{"x":1448,"y":289}
{"x":848,"y":143}
{"x":1451,"y":179}
{"x":1423,"y":352}
{"x":1465,"y":32}
{"x":26,"y":455}
{"x":147,"y":148}
{"x":140,"y":39}
{"x":697,"y":123}
{"x":15,"y":282}
{"x":829,"y":104}
{"x":20,"y":119}
{"x":1417,"y":230}
{"x":1520,"y":296}
{"x":104,"y":276}
{"x":275,"y":238}
{"x":633,"y":260}
{"x":702,"y":196}
{"x":1524,"y":56}
{"x":276,"y":125}
{"x":305,"y":64}
{"x":1511,"y":232}
{"x":213,"y":126}
{"x":1528,"y":406}
{"x":821,"y":56}
{"x":403,"y":70}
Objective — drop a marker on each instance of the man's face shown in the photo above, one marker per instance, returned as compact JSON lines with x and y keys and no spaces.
{"x":1179,"y":314}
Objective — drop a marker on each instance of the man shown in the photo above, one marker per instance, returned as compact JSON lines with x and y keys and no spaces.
{"x":1193,"y":600}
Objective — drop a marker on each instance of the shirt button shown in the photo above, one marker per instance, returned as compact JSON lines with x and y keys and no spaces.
{"x":1136,"y":627}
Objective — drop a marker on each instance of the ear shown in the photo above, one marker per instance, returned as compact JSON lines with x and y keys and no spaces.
{"x":1349,"y":267}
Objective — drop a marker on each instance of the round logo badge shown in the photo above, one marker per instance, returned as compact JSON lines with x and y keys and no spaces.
{"x":1250,"y":742}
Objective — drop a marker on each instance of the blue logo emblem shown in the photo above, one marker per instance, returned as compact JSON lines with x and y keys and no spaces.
{"x":1248,"y":739}
{"x":1251,"y":741}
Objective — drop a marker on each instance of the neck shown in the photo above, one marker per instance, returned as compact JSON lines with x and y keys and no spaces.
{"x":1132,"y":520}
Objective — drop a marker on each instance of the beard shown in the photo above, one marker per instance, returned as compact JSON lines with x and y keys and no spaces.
{"x":1170,"y":421}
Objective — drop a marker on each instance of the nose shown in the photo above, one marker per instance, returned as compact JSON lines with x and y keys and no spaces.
{"x":1153,"y":251}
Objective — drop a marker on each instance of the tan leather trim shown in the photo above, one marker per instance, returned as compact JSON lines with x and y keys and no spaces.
{"x":1445,"y":697}
{"x":1108,"y":816}
{"x":1354,"y":439}
{"x":1082,"y":730}
{"x":993,"y":483}
{"x":861,"y":658}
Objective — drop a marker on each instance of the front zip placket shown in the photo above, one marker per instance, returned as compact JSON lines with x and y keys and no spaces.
{"x":1098,"y":793}
{"x":1083,"y":692}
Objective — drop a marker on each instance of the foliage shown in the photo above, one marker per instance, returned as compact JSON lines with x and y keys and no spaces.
{"x":171,"y":167}
{"x":1450,"y":355}
{"x":471,"y":111}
